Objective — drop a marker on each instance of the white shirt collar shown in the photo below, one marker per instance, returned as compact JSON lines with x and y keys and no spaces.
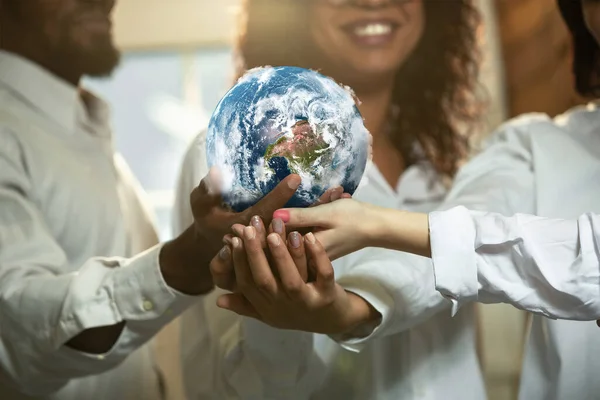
{"x":59,"y":100}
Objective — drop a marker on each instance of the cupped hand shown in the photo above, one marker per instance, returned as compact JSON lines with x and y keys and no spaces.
{"x":185,"y":261}
{"x":272,"y":290}
{"x":221,"y":266}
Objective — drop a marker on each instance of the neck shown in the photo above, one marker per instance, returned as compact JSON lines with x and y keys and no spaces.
{"x":375,"y":109}
{"x":31,"y":49}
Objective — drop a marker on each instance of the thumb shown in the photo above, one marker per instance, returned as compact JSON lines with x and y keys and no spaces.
{"x":314,"y":217}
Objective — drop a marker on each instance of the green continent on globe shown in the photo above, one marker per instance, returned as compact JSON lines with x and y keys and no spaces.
{"x":300,"y":151}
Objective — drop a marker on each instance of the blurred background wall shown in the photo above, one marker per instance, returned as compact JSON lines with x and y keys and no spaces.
{"x":176,"y":67}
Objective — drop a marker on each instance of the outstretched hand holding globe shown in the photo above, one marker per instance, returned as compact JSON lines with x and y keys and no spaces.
{"x":284,"y":120}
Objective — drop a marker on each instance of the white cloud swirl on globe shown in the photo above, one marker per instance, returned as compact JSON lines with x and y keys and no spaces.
{"x":262,"y":108}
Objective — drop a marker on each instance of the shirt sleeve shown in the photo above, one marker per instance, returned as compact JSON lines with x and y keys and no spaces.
{"x":232,"y":357}
{"x":545,"y":266}
{"x":43,"y":304}
{"x":401,"y":286}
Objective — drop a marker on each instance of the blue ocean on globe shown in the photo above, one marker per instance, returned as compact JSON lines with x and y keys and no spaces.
{"x":281,"y":120}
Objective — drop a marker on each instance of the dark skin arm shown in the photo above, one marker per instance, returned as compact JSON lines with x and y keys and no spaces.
{"x":184,"y":261}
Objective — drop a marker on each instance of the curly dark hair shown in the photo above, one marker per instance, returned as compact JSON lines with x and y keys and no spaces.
{"x":434,"y":90}
{"x":586,"y":51}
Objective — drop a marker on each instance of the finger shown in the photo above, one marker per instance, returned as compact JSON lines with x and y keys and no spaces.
{"x":221,"y":269}
{"x":291,"y":281}
{"x":325,"y":277}
{"x":346,"y":196}
{"x":208,"y":192}
{"x":330,"y":241}
{"x":227,"y":239}
{"x":261,"y":232}
{"x":304,"y":217}
{"x":328,"y":196}
{"x":277,"y":226}
{"x":238,"y":230}
{"x":296,"y":249}
{"x":243,"y":276}
{"x":277,"y":198}
{"x":238,"y":304}
{"x":257,"y":261}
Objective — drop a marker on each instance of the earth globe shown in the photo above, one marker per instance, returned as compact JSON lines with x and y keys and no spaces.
{"x":276,"y":121}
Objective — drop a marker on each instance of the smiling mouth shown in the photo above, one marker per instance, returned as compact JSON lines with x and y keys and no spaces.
{"x":371,"y":33}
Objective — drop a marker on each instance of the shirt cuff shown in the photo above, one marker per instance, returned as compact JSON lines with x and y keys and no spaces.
{"x":379,"y":299}
{"x":141,"y":293}
{"x":452,"y":235}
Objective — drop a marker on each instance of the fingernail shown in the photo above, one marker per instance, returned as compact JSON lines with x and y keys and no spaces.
{"x":225,"y":253}
{"x":295,"y":239}
{"x":294,"y":182}
{"x":237,"y":230}
{"x":310,"y":238}
{"x":237,"y":243}
{"x":273,"y":240}
{"x":255,"y":221}
{"x":249,"y":232}
{"x":283,"y":215}
{"x":278,"y":226}
{"x":336,"y":194}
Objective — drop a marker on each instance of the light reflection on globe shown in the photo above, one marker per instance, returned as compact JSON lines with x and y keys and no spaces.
{"x":277,"y":121}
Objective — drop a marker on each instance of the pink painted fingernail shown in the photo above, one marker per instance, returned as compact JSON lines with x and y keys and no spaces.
{"x":278,"y":225}
{"x":283,"y":215}
{"x":273,"y":240}
{"x":310,"y":238}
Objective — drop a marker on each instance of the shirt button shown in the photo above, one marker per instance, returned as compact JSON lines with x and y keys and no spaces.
{"x":148,"y":306}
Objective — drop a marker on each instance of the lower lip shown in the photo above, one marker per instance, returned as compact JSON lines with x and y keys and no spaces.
{"x":372,"y":40}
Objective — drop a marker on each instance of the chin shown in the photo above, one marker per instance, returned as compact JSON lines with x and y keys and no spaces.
{"x":100,"y":61}
{"x":374,"y":70}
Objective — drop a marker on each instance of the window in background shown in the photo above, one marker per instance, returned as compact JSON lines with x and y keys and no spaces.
{"x":160,"y":101}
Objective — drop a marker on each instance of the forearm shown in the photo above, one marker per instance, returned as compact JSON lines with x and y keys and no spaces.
{"x":183,"y":265}
{"x":110,"y":307}
{"x":399,"y":230}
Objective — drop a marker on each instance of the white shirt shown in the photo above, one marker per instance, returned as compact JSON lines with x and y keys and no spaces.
{"x":542,"y":265}
{"x":65,"y":199}
{"x":418,"y":352}
{"x":546,"y":264}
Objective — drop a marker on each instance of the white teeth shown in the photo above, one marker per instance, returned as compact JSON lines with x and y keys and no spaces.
{"x":375,"y":29}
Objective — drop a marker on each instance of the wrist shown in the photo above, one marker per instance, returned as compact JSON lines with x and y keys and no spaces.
{"x":401,"y":230}
{"x":374,"y":231}
{"x":363,"y":318}
{"x":184,"y":264}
